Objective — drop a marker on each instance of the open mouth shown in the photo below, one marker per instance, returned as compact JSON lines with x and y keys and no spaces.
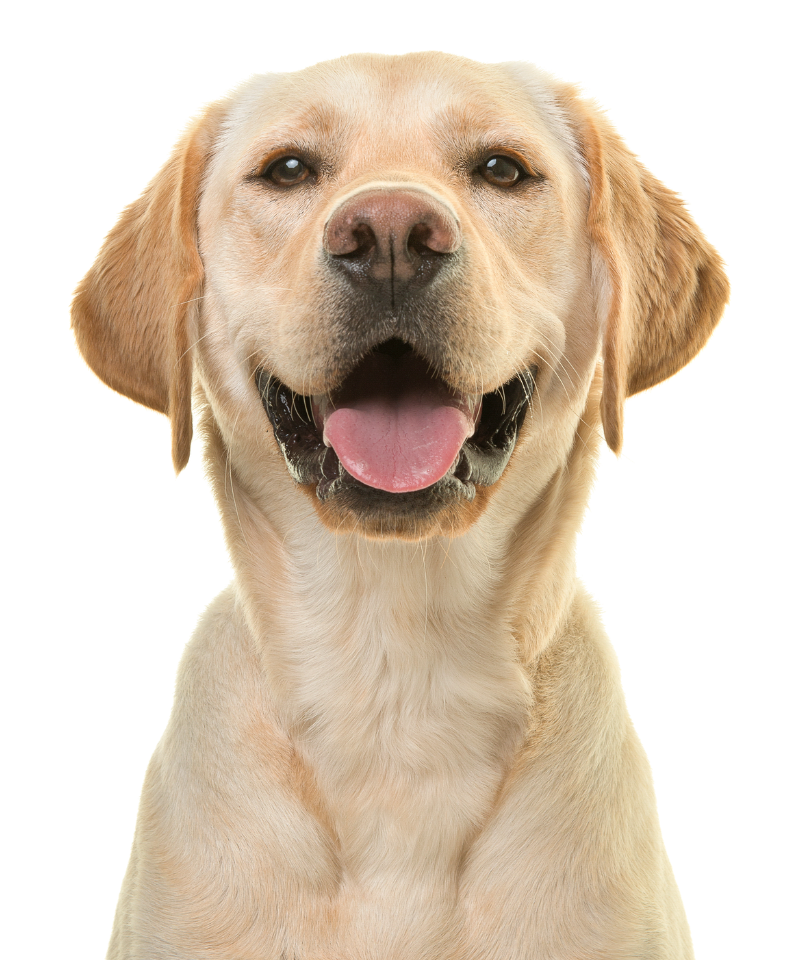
{"x":394,"y":430}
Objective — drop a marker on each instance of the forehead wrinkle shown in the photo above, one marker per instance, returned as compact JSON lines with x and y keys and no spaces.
{"x":465,"y":133}
{"x":329,"y":139}
{"x":287,"y":107}
{"x":375,"y":108}
{"x":462,"y":114}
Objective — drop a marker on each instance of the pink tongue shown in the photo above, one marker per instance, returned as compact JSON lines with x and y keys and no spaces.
{"x":403,"y":431}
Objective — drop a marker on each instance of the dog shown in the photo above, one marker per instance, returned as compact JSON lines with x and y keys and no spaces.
{"x":409,"y":296}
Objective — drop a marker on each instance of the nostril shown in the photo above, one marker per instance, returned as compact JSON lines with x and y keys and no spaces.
{"x":435,"y":233}
{"x":363,"y":241}
{"x":418,"y":241}
{"x":348,"y":238}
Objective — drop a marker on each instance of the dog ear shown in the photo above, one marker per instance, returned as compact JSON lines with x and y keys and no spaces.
{"x":661,"y":283}
{"x":133,"y":313}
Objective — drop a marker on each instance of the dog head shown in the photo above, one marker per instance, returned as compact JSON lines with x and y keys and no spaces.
{"x":392,"y":278}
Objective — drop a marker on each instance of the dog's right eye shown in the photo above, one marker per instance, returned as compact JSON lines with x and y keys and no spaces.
{"x":287,"y":171}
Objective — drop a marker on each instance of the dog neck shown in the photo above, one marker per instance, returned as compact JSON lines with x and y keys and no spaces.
{"x":403,"y":672}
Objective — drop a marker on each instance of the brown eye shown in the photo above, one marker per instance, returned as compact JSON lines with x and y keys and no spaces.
{"x":287,"y":171}
{"x":502,"y":171}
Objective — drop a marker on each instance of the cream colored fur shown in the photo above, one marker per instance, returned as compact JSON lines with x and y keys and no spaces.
{"x":411,"y":746}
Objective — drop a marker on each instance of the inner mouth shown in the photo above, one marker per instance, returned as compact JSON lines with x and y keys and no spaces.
{"x":394,"y":428}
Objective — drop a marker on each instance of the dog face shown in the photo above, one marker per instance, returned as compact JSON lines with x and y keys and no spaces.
{"x":393,"y":277}
{"x":409,"y":247}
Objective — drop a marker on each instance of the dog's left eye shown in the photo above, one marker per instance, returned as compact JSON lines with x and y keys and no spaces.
{"x":287,"y":171}
{"x":502,"y":171}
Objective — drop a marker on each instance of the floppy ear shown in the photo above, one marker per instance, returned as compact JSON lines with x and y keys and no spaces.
{"x":664,"y":284}
{"x":133,"y":313}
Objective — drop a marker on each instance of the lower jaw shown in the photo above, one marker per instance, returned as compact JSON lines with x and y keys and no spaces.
{"x":345,"y":503}
{"x":470,"y":467}
{"x":447,"y":509}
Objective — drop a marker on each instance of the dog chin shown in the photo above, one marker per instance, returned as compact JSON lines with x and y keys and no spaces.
{"x":447,"y":509}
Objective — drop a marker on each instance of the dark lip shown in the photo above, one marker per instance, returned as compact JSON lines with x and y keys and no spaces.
{"x":481,"y":462}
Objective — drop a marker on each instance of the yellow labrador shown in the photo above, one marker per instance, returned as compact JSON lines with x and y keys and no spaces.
{"x":407,"y":294}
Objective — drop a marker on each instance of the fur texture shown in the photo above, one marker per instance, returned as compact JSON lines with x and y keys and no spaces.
{"x":400,"y":741}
